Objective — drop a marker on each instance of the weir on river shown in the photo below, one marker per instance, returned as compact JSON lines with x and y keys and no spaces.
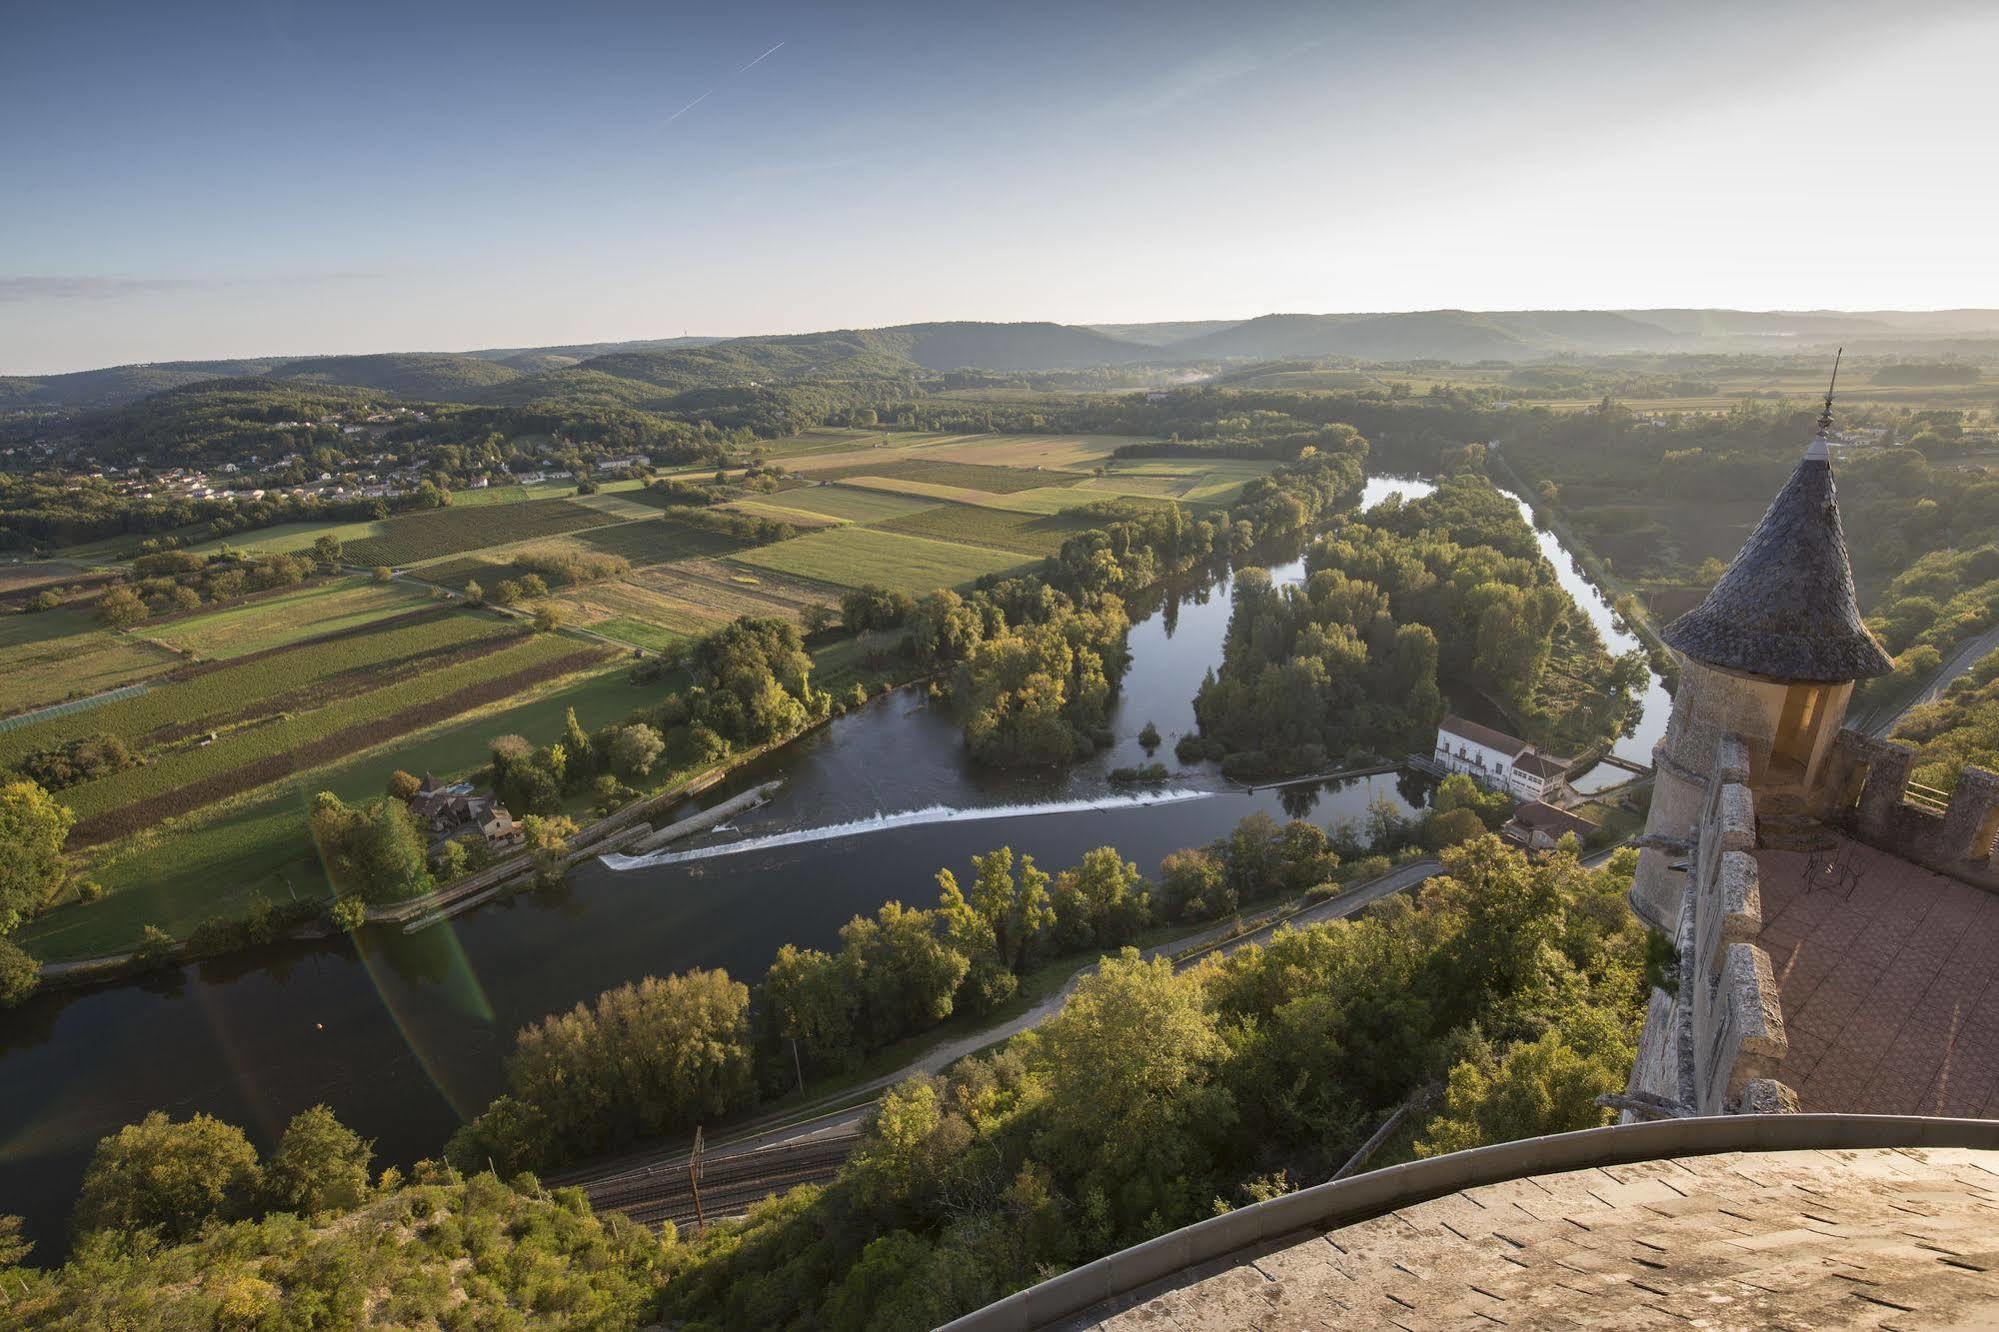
{"x":403,"y":1035}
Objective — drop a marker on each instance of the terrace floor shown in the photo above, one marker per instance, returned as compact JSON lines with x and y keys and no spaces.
{"x":1889,"y":976}
{"x":1807,"y":1239}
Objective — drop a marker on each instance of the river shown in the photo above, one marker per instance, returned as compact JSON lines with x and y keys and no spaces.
{"x":403,"y":1035}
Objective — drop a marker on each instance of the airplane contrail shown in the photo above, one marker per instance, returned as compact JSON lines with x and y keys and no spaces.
{"x":760,"y":59}
{"x":689,"y":107}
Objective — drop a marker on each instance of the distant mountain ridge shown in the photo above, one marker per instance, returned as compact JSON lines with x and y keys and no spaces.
{"x":630,"y":373}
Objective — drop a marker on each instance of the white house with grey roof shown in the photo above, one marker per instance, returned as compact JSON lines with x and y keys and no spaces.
{"x":1496,"y":760}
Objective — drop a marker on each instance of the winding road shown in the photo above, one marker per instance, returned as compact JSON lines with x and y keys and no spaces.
{"x":811,"y":1144}
{"x":1963,"y":660}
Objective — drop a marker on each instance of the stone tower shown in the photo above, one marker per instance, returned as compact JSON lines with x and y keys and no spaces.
{"x":1771,"y":656}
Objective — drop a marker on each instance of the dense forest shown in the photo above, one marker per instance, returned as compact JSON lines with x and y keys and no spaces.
{"x":1448,"y":589}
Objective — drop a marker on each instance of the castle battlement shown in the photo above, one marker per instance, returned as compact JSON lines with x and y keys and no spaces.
{"x":1868,"y":792}
{"x":1803,"y":991}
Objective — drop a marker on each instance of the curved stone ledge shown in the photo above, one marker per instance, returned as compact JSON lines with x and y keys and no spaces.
{"x":1345,"y":1201}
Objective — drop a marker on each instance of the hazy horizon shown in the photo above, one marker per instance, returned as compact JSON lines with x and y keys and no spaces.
{"x":260,"y":179}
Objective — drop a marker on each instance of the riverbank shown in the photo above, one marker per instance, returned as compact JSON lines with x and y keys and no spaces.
{"x":167,"y":951}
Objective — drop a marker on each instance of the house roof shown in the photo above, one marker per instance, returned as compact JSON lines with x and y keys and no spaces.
{"x":1785,"y":610}
{"x":1481,"y":735}
{"x":1539,"y":816}
{"x":1540,"y":765}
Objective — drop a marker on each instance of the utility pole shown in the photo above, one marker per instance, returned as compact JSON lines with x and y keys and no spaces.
{"x":799,"y":1065}
{"x":694,"y":1183}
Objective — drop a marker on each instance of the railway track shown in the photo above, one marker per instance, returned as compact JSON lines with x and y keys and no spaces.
{"x":729,"y":1184}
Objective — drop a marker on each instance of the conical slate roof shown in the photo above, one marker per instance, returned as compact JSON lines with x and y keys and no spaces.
{"x":1786,"y":609}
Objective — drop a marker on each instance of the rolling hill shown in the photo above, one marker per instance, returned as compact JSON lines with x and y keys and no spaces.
{"x":649,"y":373}
{"x":434,"y":376}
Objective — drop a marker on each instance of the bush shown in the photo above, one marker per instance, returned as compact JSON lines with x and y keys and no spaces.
{"x":1149,"y":774}
{"x":19,"y":973}
{"x":635,"y":750}
{"x":81,"y":760}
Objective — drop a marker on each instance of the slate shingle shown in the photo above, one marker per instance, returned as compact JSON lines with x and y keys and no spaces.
{"x":1786,"y":609}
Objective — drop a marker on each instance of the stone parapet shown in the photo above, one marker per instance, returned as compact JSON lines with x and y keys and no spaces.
{"x":1867,"y":790}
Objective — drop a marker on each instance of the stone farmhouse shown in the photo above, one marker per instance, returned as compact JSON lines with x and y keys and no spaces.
{"x":1496,"y":760}
{"x":453,"y":812}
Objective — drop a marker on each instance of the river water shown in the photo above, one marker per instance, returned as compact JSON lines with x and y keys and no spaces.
{"x":403,"y":1035}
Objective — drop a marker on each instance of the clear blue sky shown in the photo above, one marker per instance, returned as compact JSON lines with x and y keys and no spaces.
{"x":212,"y":178}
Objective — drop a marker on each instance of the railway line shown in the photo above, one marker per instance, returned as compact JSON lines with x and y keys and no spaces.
{"x":730,"y":1184}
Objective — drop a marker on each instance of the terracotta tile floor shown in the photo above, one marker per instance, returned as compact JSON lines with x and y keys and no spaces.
{"x":1890,"y":981}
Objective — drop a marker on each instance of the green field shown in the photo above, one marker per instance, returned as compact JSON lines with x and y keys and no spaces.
{"x":658,"y":540}
{"x":639,"y":633}
{"x":802,"y":519}
{"x":844,"y":503}
{"x":853,"y":556}
{"x":190,"y":774}
{"x":944,"y":472}
{"x":287,"y":617}
{"x":689,"y":598}
{"x":212,"y":696}
{"x":1027,"y":533}
{"x":54,"y":655}
{"x":1059,"y":499}
{"x":443,"y":532}
{"x":177,"y":876}
{"x":620,"y":506}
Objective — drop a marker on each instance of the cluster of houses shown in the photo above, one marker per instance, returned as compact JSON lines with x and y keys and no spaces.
{"x":1501,"y":762}
{"x":454,"y":812}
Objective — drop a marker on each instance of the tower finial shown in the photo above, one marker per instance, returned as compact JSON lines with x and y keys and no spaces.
{"x":1825,"y":417}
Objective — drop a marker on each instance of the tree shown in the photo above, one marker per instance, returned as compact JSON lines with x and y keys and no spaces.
{"x":1122,"y":1053}
{"x":1541,"y":1087}
{"x":404,"y":786}
{"x":1451,"y":827}
{"x":1194,"y":885}
{"x":167,"y":1176}
{"x":474,"y":594}
{"x":1016,"y":910}
{"x":383,"y":574}
{"x":582,"y":751}
{"x":549,"y":616}
{"x":320,"y":1166}
{"x":19,"y":973}
{"x":33,"y":827}
{"x":327,"y":550}
{"x":811,"y":1001}
{"x":635,"y":750}
{"x":1100,"y":902}
{"x":120,"y":608}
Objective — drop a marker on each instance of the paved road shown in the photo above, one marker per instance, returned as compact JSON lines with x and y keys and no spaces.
{"x":611,"y":1180}
{"x":1218,"y":941}
{"x":1963,"y":660}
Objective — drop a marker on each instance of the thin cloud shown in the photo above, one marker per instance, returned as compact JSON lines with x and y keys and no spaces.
{"x":711,"y":92}
{"x":689,"y":107}
{"x":98,"y":287}
{"x":760,"y":59}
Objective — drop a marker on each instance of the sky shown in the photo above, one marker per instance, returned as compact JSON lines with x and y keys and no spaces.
{"x":217,"y":178}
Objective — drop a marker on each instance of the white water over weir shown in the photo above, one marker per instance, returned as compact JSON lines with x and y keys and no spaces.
{"x":908,"y":818}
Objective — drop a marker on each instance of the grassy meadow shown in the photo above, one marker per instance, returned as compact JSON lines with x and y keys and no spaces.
{"x":855,"y":556}
{"x":282,"y":618}
{"x":60,"y":654}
